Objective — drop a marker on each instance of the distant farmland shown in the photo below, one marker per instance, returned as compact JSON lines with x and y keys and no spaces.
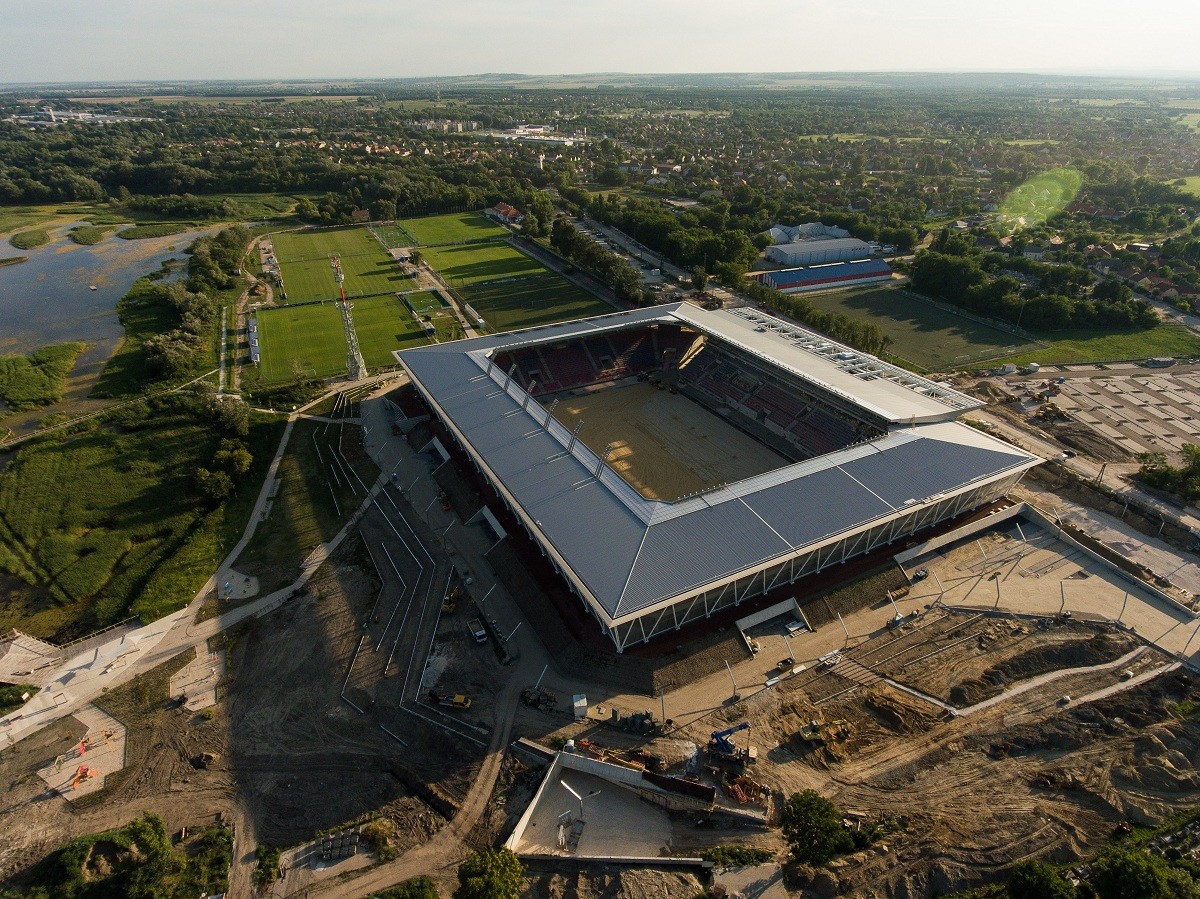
{"x":921,"y":333}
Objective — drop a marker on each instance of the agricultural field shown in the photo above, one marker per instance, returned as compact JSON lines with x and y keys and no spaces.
{"x":304,"y":260}
{"x":382,"y":325}
{"x":921,"y":333}
{"x":464,"y":265}
{"x":439,"y":230}
{"x":306,"y":340}
{"x":1104,"y":346}
{"x":529,"y":302}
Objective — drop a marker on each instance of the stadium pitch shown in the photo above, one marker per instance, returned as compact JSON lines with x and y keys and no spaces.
{"x":304,"y":262}
{"x":664,"y":444}
{"x":438,"y":230}
{"x":467,"y":264}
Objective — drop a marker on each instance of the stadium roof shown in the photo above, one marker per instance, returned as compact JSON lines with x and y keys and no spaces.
{"x":631,"y":552}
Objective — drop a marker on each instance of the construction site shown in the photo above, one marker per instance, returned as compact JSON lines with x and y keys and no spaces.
{"x":420,"y":686}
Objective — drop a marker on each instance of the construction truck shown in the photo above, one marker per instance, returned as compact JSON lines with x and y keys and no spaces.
{"x":725,"y":754}
{"x":450,"y":603}
{"x":478,"y":631}
{"x":451,"y":700}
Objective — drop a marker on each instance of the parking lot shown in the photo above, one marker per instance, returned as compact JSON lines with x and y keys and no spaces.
{"x":1141,"y":413}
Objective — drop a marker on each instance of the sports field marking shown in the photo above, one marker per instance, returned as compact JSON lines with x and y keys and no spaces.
{"x":301,"y":340}
{"x":383,"y":325}
{"x":665,"y":445}
{"x":437,"y":230}
{"x":529,"y":302}
{"x":474,"y":263}
{"x":304,"y":262}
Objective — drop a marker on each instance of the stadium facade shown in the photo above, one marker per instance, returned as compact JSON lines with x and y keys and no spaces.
{"x":872,"y":454}
{"x":825,"y":277}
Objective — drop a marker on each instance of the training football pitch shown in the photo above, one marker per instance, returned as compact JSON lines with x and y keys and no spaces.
{"x":437,"y":230}
{"x":382,"y":325}
{"x":425,"y":301}
{"x":921,"y":333}
{"x":301,"y":341}
{"x":467,"y":264}
{"x":304,"y":262}
{"x":528,"y":302}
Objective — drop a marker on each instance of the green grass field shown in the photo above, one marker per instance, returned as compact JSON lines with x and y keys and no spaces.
{"x":436,"y":230}
{"x":1100,"y":346}
{"x":462,"y":266}
{"x":383,"y":325}
{"x":394,"y":235}
{"x":1191,"y":185}
{"x":301,"y":340}
{"x":509,"y":305}
{"x":921,"y":333}
{"x":425,"y":301}
{"x":304,"y":260}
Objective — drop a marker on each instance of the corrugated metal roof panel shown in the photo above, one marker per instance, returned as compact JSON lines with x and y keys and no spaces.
{"x":695,"y":549}
{"x":926,"y":468}
{"x":817,"y":506}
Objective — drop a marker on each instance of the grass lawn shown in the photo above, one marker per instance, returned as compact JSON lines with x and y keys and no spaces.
{"x":395,"y":235}
{"x":313,"y":501}
{"x":304,"y":260}
{"x":424,"y":301}
{"x":1101,"y":346}
{"x":382,"y":325}
{"x":1191,"y":185}
{"x":436,"y":230}
{"x":509,"y":305}
{"x":87,"y":235}
{"x":921,"y":333}
{"x":308,"y":340}
{"x":468,"y":264}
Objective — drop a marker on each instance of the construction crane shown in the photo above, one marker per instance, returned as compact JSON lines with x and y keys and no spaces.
{"x":719,"y":742}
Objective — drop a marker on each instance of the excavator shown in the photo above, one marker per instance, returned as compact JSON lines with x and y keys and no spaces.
{"x":725,"y":753}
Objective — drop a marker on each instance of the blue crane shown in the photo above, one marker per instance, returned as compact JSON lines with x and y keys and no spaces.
{"x":718,"y":742}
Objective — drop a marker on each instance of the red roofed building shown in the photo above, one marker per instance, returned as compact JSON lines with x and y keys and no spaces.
{"x":510,"y":215}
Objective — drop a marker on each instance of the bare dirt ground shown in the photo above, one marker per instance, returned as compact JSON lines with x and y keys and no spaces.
{"x":612,"y":882}
{"x":967,"y":796}
{"x":664,"y":444}
{"x":282,"y":757}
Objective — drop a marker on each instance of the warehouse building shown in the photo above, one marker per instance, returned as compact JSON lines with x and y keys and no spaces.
{"x":816,"y":252}
{"x":819,"y":277}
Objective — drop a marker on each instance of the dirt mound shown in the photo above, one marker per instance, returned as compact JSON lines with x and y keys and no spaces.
{"x":1041,"y":660}
{"x":603,"y":882}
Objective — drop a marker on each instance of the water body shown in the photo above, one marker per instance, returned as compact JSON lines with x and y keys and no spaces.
{"x":47,"y":298}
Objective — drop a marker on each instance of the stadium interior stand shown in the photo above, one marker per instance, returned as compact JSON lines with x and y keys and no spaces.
{"x":790,"y":417}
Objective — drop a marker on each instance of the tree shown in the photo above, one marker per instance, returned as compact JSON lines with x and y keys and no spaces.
{"x":813,"y":828}
{"x":699,"y":279}
{"x":417,"y":888}
{"x":1038,"y":880}
{"x":495,"y":874}
{"x":416,"y":258}
{"x":214,"y":486}
{"x":1121,"y":873}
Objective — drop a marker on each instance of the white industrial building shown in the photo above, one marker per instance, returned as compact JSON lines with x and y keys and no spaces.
{"x":816,"y":252}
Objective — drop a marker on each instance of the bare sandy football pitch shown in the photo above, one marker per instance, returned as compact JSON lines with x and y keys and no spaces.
{"x":664,"y":444}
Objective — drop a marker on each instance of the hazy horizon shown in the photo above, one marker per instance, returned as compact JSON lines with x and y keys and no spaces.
{"x":132,"y":40}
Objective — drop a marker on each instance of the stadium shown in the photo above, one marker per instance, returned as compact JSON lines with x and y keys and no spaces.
{"x":673,"y":462}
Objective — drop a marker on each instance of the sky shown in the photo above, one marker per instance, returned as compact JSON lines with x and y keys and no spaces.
{"x":116,"y":40}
